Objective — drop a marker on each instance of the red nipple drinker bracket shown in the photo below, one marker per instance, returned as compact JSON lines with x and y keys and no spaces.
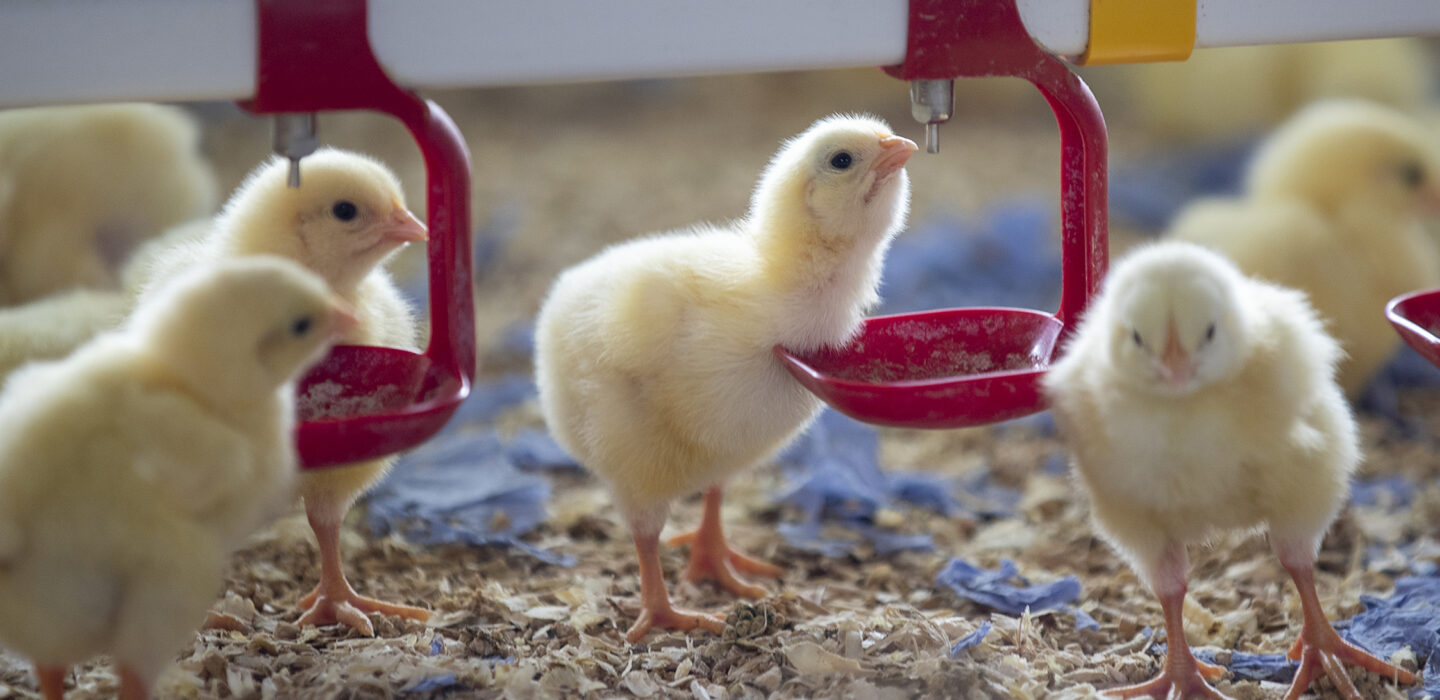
{"x":952,"y":368}
{"x":315,"y":55}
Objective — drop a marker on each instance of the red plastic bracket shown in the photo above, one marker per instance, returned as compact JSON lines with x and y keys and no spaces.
{"x":315,"y":55}
{"x":961,"y":367}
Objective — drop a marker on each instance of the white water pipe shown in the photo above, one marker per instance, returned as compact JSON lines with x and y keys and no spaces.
{"x":178,"y":50}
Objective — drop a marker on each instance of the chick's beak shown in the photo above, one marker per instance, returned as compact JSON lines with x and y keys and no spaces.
{"x":1175,"y":363}
{"x":403,"y":227}
{"x":1430,"y":201}
{"x":894,"y":152}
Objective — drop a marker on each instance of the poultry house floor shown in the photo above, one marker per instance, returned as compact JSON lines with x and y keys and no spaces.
{"x":564,"y":170}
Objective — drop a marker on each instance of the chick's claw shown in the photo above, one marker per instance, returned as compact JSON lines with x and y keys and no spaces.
{"x":349,"y":608}
{"x":1179,"y":686}
{"x":1328,"y":654}
{"x":669,"y":617}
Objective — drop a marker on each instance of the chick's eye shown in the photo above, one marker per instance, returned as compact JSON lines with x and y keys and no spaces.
{"x":1209,"y":332}
{"x":1413,"y":175}
{"x":301,"y":326}
{"x":1135,"y":336}
{"x":344,"y":210}
{"x":841,"y":160}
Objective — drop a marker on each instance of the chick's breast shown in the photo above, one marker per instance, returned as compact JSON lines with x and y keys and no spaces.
{"x":1271,"y":447}
{"x":655,"y":368}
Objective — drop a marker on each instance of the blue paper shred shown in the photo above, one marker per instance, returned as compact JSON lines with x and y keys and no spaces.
{"x":1083,"y":620}
{"x":835,"y":477}
{"x":972,"y":639}
{"x":434,"y":683}
{"x":489,"y":399}
{"x":1252,"y":667}
{"x":1011,"y":257}
{"x":437,"y":645}
{"x":1393,"y":492}
{"x":1149,"y":193}
{"x":462,"y":487}
{"x":995,"y":590}
{"x":536,"y":450}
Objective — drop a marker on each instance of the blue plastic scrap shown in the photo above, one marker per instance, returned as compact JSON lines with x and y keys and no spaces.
{"x":972,"y":639}
{"x":995,"y":590}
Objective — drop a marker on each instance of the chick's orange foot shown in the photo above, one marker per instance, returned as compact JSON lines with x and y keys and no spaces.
{"x":1324,"y":652}
{"x":51,"y":680}
{"x":673,"y":618}
{"x":339,"y":603}
{"x":711,"y":556}
{"x":1176,"y":683}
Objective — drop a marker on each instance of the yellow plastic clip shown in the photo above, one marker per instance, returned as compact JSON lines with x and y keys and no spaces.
{"x":1140,"y":31}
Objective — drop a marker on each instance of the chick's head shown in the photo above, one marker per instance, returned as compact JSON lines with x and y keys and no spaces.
{"x":843,"y":177}
{"x":1345,"y":153}
{"x":346,"y":216}
{"x":1174,"y":323}
{"x":242,"y":327}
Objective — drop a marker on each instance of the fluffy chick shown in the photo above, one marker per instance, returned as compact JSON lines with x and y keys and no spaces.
{"x":129,"y":470}
{"x":654,"y":361}
{"x":1335,"y":206}
{"x":52,"y":327}
{"x":1225,"y":92}
{"x":346,"y":217}
{"x":81,"y":187}
{"x":1196,"y":399}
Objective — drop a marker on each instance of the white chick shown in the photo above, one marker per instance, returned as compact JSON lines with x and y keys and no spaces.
{"x":654,"y":358}
{"x":1335,"y":206}
{"x":81,"y":187}
{"x":346,"y":217}
{"x":131,"y":469}
{"x":1196,"y":399}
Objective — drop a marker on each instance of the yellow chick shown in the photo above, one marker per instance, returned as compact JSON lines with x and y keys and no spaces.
{"x":131,"y":469}
{"x":1247,"y":89}
{"x":81,"y":187}
{"x":1335,"y":206}
{"x":51,"y":327}
{"x":1196,"y":399}
{"x":346,"y":217}
{"x":654,"y":361}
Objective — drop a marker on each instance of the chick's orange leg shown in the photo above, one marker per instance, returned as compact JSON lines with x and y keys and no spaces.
{"x":1320,"y":649}
{"x":655,"y":607}
{"x":333,"y":599}
{"x":51,"y":680}
{"x":1184,"y":675}
{"x":132,"y":687}
{"x":711,"y":557}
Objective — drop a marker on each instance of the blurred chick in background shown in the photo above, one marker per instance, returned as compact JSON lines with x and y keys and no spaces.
{"x":131,"y":469}
{"x":82,"y":187}
{"x":654,"y":358}
{"x":1196,"y":399}
{"x":50,"y":328}
{"x":1335,"y":205}
{"x":1226,"y":92}
{"x":345,"y":219}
